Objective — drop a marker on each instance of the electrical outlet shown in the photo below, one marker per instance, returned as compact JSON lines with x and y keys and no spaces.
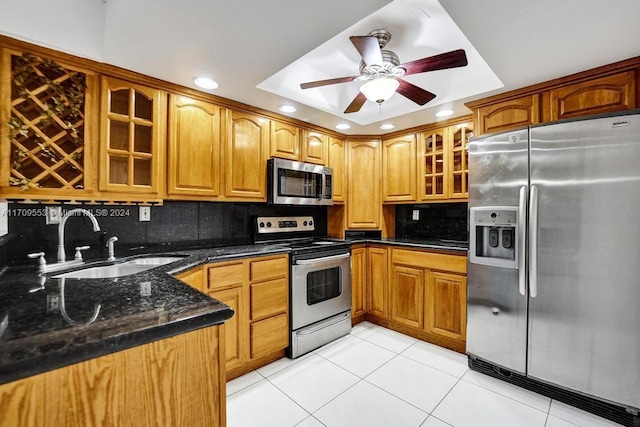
{"x":145,"y":213}
{"x":53,"y":214}
{"x":145,"y":289}
{"x":416,"y":215}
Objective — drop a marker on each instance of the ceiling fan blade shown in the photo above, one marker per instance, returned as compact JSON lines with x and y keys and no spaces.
{"x":368,"y":48}
{"x":453,"y":59}
{"x":356,"y":104}
{"x":318,"y":83}
{"x":414,"y":93}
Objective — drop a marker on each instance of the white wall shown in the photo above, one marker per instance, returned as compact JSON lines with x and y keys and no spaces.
{"x":73,"y":26}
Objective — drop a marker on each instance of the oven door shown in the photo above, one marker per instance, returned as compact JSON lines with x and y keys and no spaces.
{"x":320,"y":288}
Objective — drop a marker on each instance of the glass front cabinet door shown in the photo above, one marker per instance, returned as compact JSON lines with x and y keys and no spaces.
{"x":132,"y":137}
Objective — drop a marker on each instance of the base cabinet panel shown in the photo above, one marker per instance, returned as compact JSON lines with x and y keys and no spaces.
{"x":163,"y":383}
{"x":358,"y":281}
{"x":377,"y":282}
{"x":407,"y":295}
{"x":446,"y":302}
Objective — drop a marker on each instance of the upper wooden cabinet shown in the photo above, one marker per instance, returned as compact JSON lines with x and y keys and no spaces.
{"x":246,"y":154}
{"x":508,"y":114}
{"x":399,"y":171}
{"x":48,"y":128}
{"x":336,"y":161}
{"x":285,"y":141}
{"x":606,"y":94}
{"x":458,"y":171}
{"x":133,"y":137}
{"x":364,"y":202}
{"x":194,"y":163}
{"x":315,"y":147}
{"x":433,"y":161}
{"x":610,"y":88}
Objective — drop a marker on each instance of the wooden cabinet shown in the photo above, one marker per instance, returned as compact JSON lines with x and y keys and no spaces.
{"x":458,"y":169}
{"x":194,"y":163}
{"x":246,"y":154}
{"x":49,"y":114}
{"x":162,"y":383}
{"x":132,"y":138}
{"x":399,"y":169}
{"x":194,"y":278}
{"x":446,"y":305}
{"x":336,"y":161}
{"x":358,"y":282}
{"x":377,"y":281}
{"x":285,"y":141}
{"x":428,"y":296}
{"x":407,"y":295}
{"x":509,"y":114}
{"x":257,"y":289}
{"x":268,"y":305}
{"x":602,"y":95}
{"x":610,"y":88}
{"x":364,"y":203}
{"x":315,"y":147}
{"x":433,"y":160}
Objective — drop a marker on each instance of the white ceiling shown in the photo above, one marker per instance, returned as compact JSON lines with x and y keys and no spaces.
{"x":242,"y":43}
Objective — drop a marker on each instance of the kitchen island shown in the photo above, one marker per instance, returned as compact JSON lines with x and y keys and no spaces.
{"x":140,"y":349}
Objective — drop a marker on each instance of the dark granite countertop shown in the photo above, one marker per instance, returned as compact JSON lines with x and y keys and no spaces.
{"x":433,"y":244}
{"x":47,"y":323}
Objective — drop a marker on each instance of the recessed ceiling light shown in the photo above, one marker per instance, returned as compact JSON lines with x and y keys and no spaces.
{"x":205,"y":82}
{"x":387,"y":126}
{"x":286,"y":108}
{"x":342,"y":126}
{"x":444,"y":113}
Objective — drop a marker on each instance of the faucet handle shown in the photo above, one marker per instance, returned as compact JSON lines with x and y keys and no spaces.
{"x":78,"y":255}
{"x":41,"y":261}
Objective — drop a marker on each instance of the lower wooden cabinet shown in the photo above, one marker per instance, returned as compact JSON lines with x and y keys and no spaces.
{"x":177,"y":381}
{"x":407,"y":295}
{"x":416,"y":292}
{"x":446,"y":305}
{"x":257,"y":289}
{"x":377,"y":284}
{"x":358,"y":283}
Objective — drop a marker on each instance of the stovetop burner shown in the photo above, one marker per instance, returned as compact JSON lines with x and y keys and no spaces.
{"x":295,"y":233}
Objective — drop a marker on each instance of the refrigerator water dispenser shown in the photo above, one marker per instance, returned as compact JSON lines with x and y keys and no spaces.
{"x":493,"y":236}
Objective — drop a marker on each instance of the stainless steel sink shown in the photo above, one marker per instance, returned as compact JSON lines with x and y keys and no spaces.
{"x":119,"y":270}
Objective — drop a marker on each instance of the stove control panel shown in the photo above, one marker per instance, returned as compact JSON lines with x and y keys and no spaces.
{"x":284,"y":224}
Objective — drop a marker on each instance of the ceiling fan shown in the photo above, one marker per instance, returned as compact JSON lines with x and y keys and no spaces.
{"x":381,"y":71}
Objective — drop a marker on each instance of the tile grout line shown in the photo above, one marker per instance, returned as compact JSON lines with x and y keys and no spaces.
{"x":444,"y":422}
{"x":504,"y":395}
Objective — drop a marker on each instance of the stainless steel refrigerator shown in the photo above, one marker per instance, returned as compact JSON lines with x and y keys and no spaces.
{"x":554,"y":258}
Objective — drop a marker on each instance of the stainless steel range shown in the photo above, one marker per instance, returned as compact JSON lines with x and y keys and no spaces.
{"x":320,"y":288}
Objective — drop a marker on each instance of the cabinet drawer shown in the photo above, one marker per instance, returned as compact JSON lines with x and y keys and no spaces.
{"x":429,"y":260}
{"x":225,"y":276}
{"x":271,"y":268}
{"x":269,"y":335}
{"x":269,"y":298}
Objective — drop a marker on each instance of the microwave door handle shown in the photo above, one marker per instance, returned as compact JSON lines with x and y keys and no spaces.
{"x":327,"y":258}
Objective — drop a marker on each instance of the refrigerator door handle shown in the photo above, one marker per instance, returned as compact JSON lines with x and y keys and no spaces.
{"x":533,"y":242}
{"x":522,"y":245}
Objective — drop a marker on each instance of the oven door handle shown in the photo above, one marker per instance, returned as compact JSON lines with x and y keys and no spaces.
{"x":318,"y":260}
{"x":325,"y":325}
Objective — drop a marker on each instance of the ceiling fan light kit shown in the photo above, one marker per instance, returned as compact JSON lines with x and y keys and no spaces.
{"x":381,"y":70}
{"x":379,"y":89}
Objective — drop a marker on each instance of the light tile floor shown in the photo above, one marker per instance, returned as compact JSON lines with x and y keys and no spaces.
{"x":378,"y":377}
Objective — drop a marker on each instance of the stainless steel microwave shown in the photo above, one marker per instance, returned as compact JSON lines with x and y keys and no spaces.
{"x":298,"y":183}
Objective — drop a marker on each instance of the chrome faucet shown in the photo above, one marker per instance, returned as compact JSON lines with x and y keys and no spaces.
{"x":63,"y":222}
{"x":110,"y":242}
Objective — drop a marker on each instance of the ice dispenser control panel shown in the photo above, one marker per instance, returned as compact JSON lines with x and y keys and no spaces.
{"x":493,"y":236}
